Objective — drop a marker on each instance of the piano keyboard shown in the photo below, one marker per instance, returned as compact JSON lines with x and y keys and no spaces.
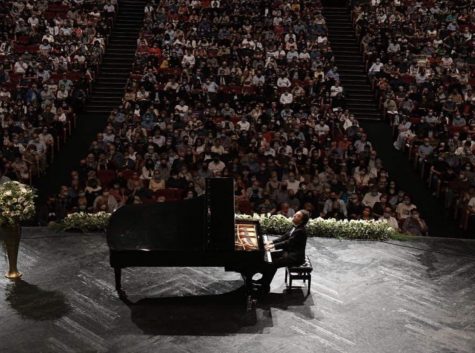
{"x":268,"y":256}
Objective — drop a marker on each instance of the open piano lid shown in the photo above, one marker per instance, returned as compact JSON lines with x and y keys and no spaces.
{"x":204,"y":223}
{"x":220,"y":202}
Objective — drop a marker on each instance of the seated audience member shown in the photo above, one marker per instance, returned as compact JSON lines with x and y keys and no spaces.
{"x":105,"y":202}
{"x":388,"y":217}
{"x":334,"y":207}
{"x":157,"y":182}
{"x":414,"y":224}
{"x":371,"y":197}
{"x":404,"y":208}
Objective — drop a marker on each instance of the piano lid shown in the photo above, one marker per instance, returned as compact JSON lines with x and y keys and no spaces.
{"x":220,"y":203}
{"x":169,"y":226}
{"x":204,"y":223}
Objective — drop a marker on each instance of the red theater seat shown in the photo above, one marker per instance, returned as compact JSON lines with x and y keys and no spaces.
{"x":170,"y":194}
{"x":106,"y":177}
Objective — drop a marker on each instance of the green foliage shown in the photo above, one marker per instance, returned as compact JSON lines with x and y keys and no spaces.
{"x":317,"y":227}
{"x":85,"y":222}
{"x":330,"y":228}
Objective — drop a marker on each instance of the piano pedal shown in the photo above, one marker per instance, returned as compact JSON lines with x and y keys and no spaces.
{"x":251,"y":303}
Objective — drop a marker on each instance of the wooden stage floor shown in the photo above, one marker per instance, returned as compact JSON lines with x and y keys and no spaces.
{"x":416,"y":296}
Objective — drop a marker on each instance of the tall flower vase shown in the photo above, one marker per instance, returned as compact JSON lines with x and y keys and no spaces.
{"x":11,"y":235}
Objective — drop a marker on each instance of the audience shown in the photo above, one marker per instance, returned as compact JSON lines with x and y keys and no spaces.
{"x":243,"y":89}
{"x":420,"y":57}
{"x":49,"y":53}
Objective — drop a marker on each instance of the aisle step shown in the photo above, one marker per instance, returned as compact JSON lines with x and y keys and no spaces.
{"x":119,"y":57}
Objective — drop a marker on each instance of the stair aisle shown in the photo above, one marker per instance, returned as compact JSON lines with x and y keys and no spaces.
{"x":116,"y":66}
{"x":359,"y":96}
{"x":106,"y":94}
{"x":361,"y":101}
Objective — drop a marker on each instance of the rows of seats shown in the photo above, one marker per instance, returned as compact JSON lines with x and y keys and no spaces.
{"x":246,"y":89}
{"x":49,"y":55}
{"x":423,"y":74}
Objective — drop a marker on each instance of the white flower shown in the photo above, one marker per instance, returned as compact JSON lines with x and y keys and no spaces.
{"x":20,"y":206}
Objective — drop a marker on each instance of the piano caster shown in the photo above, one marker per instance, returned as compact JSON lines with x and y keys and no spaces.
{"x":123,"y":297}
{"x":121,"y":293}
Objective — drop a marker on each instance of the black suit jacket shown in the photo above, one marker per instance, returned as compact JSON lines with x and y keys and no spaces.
{"x":293,"y":244}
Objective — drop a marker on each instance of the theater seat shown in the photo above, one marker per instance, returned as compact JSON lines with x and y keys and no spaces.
{"x":170,"y":194}
{"x":106,"y":177}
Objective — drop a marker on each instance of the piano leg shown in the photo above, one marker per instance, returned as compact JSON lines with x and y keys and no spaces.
{"x":251,"y":291}
{"x":118,"y":281}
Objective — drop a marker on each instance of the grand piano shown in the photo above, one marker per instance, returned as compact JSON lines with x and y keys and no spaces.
{"x":195,"y":232}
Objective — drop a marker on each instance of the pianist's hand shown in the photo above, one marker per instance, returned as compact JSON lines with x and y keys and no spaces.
{"x":269,"y":246}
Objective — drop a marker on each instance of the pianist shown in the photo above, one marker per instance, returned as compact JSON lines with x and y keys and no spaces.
{"x":292,"y":245}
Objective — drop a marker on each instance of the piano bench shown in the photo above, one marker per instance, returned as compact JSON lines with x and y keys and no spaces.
{"x":302,"y":272}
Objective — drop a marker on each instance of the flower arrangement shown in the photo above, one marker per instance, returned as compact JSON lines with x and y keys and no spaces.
{"x":319,"y":227}
{"x":86,"y":222}
{"x":276,"y":224}
{"x":17,"y":203}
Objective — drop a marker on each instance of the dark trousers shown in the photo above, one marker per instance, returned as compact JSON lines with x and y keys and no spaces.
{"x":279,"y":259}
